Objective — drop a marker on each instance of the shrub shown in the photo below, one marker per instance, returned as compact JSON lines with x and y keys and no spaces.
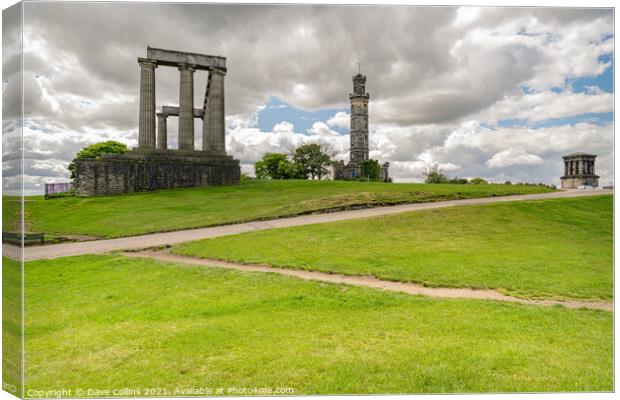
{"x":371,"y":170}
{"x":433,"y":174}
{"x":70,"y":193}
{"x":95,"y":151}
{"x":275,"y":166}
{"x":457,"y":180}
{"x":478,"y":181}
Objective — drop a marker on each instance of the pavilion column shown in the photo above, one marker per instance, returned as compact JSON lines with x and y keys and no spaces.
{"x":186,"y":107}
{"x":162,"y":131}
{"x":565,"y":167}
{"x":146,"y":120}
{"x":214,"y":125}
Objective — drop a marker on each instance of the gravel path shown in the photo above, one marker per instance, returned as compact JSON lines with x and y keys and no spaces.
{"x":170,"y":238}
{"x":369,"y":281}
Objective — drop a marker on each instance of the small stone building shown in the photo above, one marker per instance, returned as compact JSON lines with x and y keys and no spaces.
{"x":358,"y":152}
{"x":579,"y":171}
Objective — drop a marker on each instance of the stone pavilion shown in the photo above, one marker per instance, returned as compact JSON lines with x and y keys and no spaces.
{"x":579,"y":171}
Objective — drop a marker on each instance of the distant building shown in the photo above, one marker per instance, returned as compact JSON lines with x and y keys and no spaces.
{"x":579,"y":171}
{"x":358,"y":153}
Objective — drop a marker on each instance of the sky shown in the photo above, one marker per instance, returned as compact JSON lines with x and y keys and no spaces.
{"x":499,"y":93}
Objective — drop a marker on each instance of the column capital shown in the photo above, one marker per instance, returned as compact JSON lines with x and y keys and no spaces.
{"x":163,"y":115}
{"x":217,"y":71}
{"x":147,"y":62}
{"x":187,"y":66}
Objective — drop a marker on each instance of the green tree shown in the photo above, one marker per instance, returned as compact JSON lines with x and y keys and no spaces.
{"x":433,"y":174}
{"x":274,"y":166}
{"x":457,"y":180}
{"x":95,"y":151}
{"x":478,"y":181}
{"x":371,"y":170}
{"x":312,"y":159}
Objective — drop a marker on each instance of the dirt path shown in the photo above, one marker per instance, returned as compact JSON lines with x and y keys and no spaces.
{"x":170,"y":238}
{"x":369,"y":281}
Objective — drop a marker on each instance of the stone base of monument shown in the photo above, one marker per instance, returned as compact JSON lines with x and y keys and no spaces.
{"x":142,"y":170}
{"x":577,"y":181}
{"x":353,"y":171}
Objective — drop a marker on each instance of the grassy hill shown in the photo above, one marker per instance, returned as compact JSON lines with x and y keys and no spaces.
{"x":548,"y":249}
{"x":138,"y":213}
{"x":112,"y":322}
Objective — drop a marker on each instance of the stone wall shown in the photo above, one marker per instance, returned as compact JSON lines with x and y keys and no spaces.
{"x":573,"y":182}
{"x":142,"y":170}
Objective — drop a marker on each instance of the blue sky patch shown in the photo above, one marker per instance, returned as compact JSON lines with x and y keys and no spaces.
{"x":277,"y":110}
{"x":604,"y":81}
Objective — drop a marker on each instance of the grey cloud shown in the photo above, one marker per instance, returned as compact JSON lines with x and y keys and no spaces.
{"x":427,"y":72}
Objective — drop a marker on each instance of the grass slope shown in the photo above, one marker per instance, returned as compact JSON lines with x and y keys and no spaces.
{"x":11,"y":326}
{"x":132,"y":214}
{"x":11,"y":206}
{"x":551,"y":248}
{"x":111,"y":322}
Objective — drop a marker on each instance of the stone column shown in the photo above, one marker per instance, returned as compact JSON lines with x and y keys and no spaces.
{"x":214,"y":125}
{"x":162,"y":131}
{"x":186,"y":107}
{"x":565,"y":167}
{"x":146,"y":120}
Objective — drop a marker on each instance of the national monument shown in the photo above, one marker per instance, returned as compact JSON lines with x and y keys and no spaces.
{"x":358,"y":153}
{"x":152,"y":165}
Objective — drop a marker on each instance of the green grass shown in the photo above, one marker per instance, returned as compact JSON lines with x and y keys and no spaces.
{"x":11,"y":326}
{"x":10,"y":213}
{"x":111,"y":322}
{"x":133,"y":214}
{"x":548,"y":249}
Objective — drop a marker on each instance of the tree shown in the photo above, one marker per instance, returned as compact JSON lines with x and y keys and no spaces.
{"x":371,"y":170}
{"x":433,"y":174}
{"x":312,"y":159}
{"x":457,"y":180}
{"x":478,"y":181}
{"x":274,"y":166}
{"x":95,"y":151}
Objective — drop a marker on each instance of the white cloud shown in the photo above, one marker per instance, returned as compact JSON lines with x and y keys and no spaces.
{"x":341,"y":119}
{"x":513,"y":156}
{"x":321,"y":129}
{"x":430,"y":99}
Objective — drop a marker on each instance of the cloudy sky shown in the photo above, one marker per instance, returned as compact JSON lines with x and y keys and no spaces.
{"x":500,"y":93}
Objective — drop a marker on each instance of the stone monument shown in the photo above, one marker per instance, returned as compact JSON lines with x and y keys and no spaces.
{"x":152,"y":165}
{"x":579,"y":171}
{"x":358,"y":152}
